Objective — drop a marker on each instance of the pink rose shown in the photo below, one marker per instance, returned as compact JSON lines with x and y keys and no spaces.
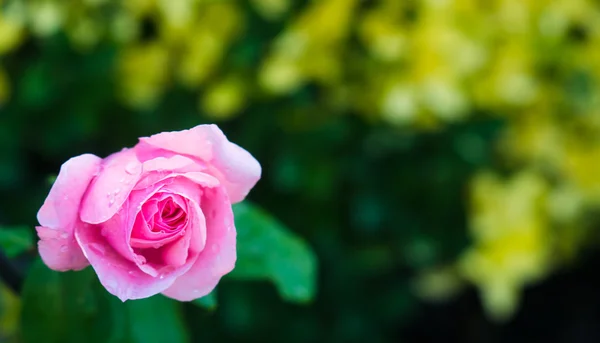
{"x":155,"y":218}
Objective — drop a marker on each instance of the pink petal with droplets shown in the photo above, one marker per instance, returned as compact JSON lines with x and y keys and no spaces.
{"x":59,"y":217}
{"x":235,"y":168}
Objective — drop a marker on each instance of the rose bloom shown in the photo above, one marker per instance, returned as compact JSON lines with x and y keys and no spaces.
{"x":155,"y":218}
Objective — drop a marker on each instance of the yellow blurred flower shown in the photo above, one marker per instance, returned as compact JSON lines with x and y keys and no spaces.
{"x":206,"y":42}
{"x":581,"y":167}
{"x":143,"y":74}
{"x":46,"y":17}
{"x":272,"y":9}
{"x":310,"y":49}
{"x":224,"y":99}
{"x":509,"y":225}
{"x":11,"y":32}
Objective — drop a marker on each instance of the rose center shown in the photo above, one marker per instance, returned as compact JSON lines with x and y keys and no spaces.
{"x":169,"y":217}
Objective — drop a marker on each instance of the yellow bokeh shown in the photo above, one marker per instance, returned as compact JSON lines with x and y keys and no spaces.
{"x":510,"y":229}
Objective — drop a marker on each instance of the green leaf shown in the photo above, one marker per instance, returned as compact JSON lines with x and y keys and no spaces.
{"x":65,"y":307}
{"x":15,"y":240}
{"x":156,"y":320}
{"x":208,"y":302}
{"x":267,"y":250}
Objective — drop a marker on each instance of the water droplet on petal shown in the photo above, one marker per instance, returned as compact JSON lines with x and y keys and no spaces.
{"x":122,"y":179}
{"x":131,"y":272}
{"x":131,"y":168}
{"x":215,"y":247}
{"x":117,"y":191}
{"x":161,"y":276}
{"x":63,"y":248}
{"x":111,"y":201}
{"x":64,"y":235}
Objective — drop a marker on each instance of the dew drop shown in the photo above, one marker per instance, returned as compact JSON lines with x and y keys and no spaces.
{"x":64,"y":235}
{"x":161,"y":276}
{"x":131,"y":272}
{"x":111,"y":201}
{"x":63,"y":248}
{"x":122,"y":180}
{"x":131,"y":168}
{"x":117,"y":191}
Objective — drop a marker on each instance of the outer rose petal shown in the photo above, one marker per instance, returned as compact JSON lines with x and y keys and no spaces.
{"x":235,"y":168}
{"x":59,"y":214}
{"x":118,"y":275}
{"x":219,"y":254}
{"x":108,"y":191}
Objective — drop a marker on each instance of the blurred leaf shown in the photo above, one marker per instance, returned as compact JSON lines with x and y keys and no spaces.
{"x":10,"y":309}
{"x":267,"y":250}
{"x":51,"y":179}
{"x":208,"y":301}
{"x":156,"y":319}
{"x":62,"y":307}
{"x":15,"y":240}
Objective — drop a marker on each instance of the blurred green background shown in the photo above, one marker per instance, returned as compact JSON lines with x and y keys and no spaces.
{"x":431,"y":168}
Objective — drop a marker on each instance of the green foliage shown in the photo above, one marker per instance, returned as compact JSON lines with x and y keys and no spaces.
{"x":155,"y":320}
{"x":208,"y":301}
{"x":268,"y":250}
{"x":15,"y":240}
{"x":73,"y":307}
{"x":64,"y":307}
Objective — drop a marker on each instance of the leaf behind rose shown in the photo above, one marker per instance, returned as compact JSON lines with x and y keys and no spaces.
{"x":15,"y":240}
{"x":73,"y":307}
{"x":208,"y":302}
{"x":66,"y":307}
{"x":156,"y":319}
{"x":268,"y":250}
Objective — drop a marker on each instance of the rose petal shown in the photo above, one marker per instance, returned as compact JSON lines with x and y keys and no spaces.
{"x":159,"y":168}
{"x":118,"y":275}
{"x":142,"y":235}
{"x":111,"y":188}
{"x":59,"y":250}
{"x":176,"y":253}
{"x":235,"y":168}
{"x":59,"y":214}
{"x":219,"y":255}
